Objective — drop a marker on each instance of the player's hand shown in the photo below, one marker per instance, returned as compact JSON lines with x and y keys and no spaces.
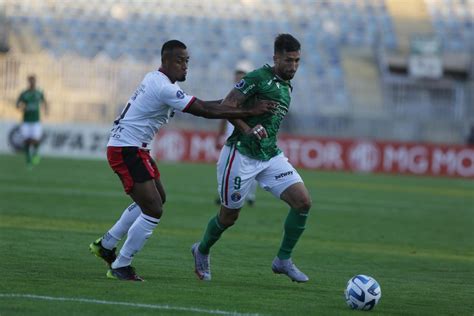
{"x":264,"y":106}
{"x":258,"y":131}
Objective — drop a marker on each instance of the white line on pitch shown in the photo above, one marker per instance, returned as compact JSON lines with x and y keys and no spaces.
{"x":139,"y":305}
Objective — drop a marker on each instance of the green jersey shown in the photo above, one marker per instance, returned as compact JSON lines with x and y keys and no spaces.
{"x":262,"y":84}
{"x":32,"y":100}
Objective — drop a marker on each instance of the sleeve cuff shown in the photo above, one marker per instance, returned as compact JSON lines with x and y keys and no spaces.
{"x":189,"y":104}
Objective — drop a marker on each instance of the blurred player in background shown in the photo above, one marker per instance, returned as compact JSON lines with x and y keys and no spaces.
{"x":225,"y":130}
{"x":150,"y":107}
{"x":30,"y":102}
{"x":244,"y":159}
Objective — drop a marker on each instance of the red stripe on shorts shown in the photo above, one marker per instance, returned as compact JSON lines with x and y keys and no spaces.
{"x":116,"y":162}
{"x":145,"y":157}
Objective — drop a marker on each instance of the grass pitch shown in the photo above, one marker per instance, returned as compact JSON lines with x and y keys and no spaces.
{"x":414,"y":235}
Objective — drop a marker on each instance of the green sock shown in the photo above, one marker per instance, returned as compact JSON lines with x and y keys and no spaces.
{"x":294,"y":227}
{"x":28,"y":153}
{"x":213,"y":233}
{"x":34,"y":152}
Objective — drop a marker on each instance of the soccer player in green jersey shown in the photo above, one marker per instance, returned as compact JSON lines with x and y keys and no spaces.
{"x":30,"y":101}
{"x":248,"y":156}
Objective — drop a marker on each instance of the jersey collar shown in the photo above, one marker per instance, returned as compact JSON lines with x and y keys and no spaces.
{"x":276,"y":77}
{"x":159,"y":70}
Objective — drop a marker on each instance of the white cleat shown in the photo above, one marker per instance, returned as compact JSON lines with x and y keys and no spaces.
{"x":287,"y":267}
{"x":202,"y":263}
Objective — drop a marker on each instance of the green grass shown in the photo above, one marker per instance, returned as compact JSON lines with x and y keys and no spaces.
{"x":415,"y":235}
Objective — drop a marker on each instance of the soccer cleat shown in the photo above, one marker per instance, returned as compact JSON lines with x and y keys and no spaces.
{"x":123,"y":273}
{"x":202,"y":263}
{"x":99,"y":251}
{"x":287,"y":267}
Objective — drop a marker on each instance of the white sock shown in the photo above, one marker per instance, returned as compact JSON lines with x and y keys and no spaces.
{"x":140,"y":231}
{"x":121,"y":227}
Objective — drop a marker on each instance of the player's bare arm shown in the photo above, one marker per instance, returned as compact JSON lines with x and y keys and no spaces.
{"x":227,"y":109}
{"x":237,"y":98}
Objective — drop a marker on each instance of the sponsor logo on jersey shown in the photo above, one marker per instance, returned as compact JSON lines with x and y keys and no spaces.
{"x":235,"y":196}
{"x":240,"y":84}
{"x":283,"y":174}
{"x":248,"y":88}
{"x":180,"y":94}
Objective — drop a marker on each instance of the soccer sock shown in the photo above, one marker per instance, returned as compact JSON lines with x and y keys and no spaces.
{"x":28,"y":153}
{"x":140,"y":231}
{"x":121,"y":227}
{"x":34,"y":150}
{"x":213,"y":233}
{"x":294,"y":227}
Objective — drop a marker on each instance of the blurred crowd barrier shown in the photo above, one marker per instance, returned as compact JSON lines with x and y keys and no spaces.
{"x":88,"y":141}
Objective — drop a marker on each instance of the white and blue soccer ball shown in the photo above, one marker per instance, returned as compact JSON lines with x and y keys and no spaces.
{"x":362,"y":292}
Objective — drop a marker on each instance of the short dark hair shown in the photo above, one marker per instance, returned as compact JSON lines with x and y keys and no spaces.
{"x":170,"y":45}
{"x":240,"y":72}
{"x":286,"y":43}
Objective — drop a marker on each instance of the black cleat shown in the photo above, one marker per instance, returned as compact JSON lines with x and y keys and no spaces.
{"x":124,"y":273}
{"x":99,"y":251}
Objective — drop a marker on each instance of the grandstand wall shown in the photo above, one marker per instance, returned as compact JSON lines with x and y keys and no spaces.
{"x":90,"y":55}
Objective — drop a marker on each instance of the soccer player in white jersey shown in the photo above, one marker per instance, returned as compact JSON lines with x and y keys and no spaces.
{"x":151,"y":106}
{"x":226,"y":129}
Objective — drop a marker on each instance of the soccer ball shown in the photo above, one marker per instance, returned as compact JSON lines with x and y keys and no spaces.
{"x":362,"y":292}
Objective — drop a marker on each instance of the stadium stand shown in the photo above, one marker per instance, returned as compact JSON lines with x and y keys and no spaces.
{"x":338,"y":79}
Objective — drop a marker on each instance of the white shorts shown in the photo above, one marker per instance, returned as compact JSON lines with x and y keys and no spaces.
{"x":236,"y":172}
{"x":31,"y":130}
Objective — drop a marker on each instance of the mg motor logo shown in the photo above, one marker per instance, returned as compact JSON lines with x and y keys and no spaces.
{"x":364,"y":156}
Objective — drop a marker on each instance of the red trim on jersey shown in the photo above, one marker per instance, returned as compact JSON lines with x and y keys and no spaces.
{"x":189,"y":104}
{"x":226,"y":187}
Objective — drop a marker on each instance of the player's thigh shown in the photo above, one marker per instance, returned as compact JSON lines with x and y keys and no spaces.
{"x":161,"y":190}
{"x":26,"y":131}
{"x":297,"y":197}
{"x":36,"y":131}
{"x":148,"y":198}
{"x":235,"y":174}
{"x":278,"y":175}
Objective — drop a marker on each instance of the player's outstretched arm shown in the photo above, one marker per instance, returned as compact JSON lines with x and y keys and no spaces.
{"x":229,"y":108}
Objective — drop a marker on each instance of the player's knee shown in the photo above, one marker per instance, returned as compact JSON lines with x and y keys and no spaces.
{"x":163,"y":197}
{"x":228,"y":219}
{"x":156,"y":212}
{"x":303,"y":204}
{"x":152,"y":206}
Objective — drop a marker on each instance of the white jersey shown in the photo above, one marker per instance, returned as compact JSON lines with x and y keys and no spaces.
{"x":150,"y":107}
